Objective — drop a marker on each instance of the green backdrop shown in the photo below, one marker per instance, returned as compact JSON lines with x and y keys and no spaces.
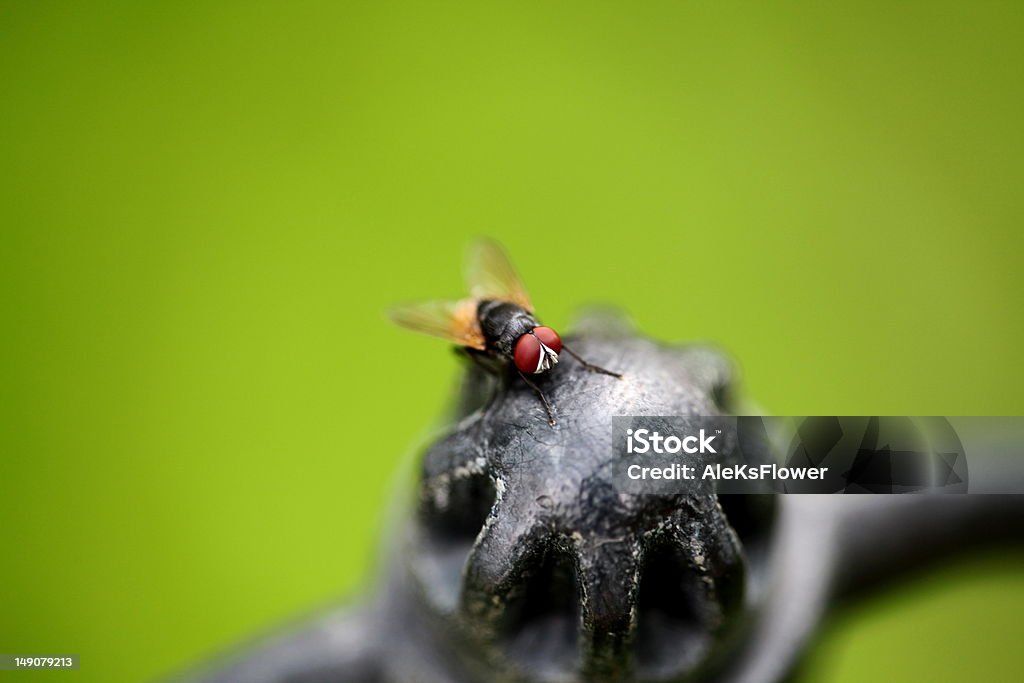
{"x":207,"y":207}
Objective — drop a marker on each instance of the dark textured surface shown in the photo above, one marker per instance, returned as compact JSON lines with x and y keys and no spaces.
{"x":523,"y":563}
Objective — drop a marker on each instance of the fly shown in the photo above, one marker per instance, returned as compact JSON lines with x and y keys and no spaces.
{"x":495,"y":321}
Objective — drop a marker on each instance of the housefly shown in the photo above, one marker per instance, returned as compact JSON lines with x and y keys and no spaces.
{"x":495,"y":322}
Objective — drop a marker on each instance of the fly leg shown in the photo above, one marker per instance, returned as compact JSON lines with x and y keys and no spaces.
{"x":590,"y":366}
{"x":543,"y":398}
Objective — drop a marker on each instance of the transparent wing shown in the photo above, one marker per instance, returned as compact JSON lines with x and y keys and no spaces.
{"x":455,"y":321}
{"x":490,"y":275}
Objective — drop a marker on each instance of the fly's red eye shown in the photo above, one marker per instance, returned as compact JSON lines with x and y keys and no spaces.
{"x":527,"y":353}
{"x":549,"y":337}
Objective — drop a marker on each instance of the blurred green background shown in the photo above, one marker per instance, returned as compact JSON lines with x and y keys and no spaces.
{"x":206,"y":208}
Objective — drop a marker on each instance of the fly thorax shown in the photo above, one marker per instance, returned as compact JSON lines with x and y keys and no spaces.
{"x":503,"y":323}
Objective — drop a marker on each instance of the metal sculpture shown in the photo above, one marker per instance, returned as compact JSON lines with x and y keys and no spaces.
{"x":523,"y":563}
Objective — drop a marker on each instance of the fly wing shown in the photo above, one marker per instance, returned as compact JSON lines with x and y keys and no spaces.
{"x":490,"y":275}
{"x":455,"y":321}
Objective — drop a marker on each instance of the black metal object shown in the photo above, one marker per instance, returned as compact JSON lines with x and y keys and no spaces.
{"x":523,"y":563}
